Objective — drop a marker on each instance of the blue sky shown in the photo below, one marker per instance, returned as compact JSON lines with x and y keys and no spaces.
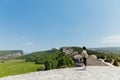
{"x":33,"y":25}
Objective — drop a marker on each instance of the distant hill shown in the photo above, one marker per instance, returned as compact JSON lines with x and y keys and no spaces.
{"x":10,"y":53}
{"x":114,"y":50}
{"x":65,"y":56}
{"x":54,"y":55}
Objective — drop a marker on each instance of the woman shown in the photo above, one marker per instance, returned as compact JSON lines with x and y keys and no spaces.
{"x":85,"y":56}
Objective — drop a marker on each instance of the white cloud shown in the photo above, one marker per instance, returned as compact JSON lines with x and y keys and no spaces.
{"x":111,"y":39}
{"x":28,"y":43}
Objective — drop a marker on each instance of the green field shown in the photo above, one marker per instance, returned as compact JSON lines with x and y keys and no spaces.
{"x":15,"y":67}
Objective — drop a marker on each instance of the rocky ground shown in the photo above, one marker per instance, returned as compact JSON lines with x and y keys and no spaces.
{"x":92,"y":73}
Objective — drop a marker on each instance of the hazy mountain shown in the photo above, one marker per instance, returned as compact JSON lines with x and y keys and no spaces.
{"x":10,"y":53}
{"x":115,"y":50}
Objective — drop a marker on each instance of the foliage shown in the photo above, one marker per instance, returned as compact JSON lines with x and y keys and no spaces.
{"x":54,"y":64}
{"x":47,"y":65}
{"x":110,"y":60}
{"x":55,"y":59}
{"x":41,"y":68}
{"x":116,"y":63}
{"x":65,"y":61}
{"x":39,"y":57}
{"x":2,"y":61}
{"x":77,"y":49}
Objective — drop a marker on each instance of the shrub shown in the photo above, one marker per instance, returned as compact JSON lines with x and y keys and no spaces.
{"x":101,"y":56}
{"x":2,"y":61}
{"x":116,"y":63}
{"x":54,"y":64}
{"x":39,"y":61}
{"x":117,"y":59}
{"x":110,"y":60}
{"x":47,"y":65}
{"x":65,"y":61}
{"x":41,"y":68}
{"x":65,"y":66}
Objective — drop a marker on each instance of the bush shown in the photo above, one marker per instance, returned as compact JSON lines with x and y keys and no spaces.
{"x":110,"y":60}
{"x":117,"y":59}
{"x":116,"y":63}
{"x":65,"y":66}
{"x":47,"y":65}
{"x":39,"y":61}
{"x":51,"y":64}
{"x":54,"y":64}
{"x":65,"y":61}
{"x":41,"y":68}
{"x":2,"y":61}
{"x":101,"y":56}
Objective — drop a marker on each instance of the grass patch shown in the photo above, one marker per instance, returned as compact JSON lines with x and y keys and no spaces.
{"x":17,"y":67}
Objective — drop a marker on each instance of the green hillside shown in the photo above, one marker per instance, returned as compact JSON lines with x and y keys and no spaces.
{"x":51,"y":59}
{"x":56,"y":59}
